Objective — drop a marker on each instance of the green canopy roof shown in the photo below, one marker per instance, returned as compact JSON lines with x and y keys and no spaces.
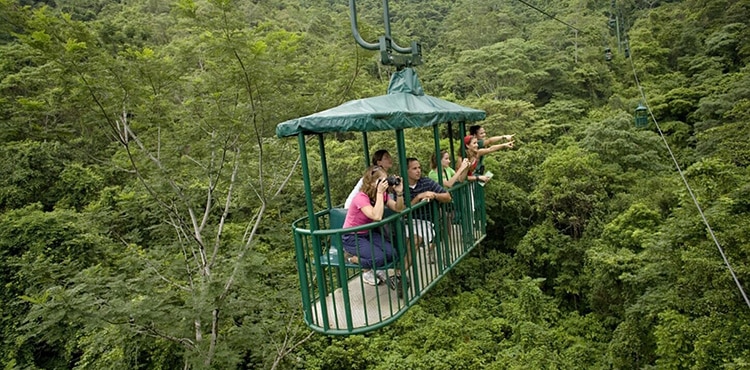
{"x":405,"y":106}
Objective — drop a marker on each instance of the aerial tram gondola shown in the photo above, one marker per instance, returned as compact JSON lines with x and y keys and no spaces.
{"x":641,"y":116}
{"x":334,"y":297}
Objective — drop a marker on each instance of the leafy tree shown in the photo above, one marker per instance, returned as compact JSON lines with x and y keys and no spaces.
{"x":33,"y":170}
{"x":571,"y":186}
{"x":43,"y":250}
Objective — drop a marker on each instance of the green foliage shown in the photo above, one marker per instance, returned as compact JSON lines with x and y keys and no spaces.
{"x":42,"y":251}
{"x":32,"y":170}
{"x":571,"y":186}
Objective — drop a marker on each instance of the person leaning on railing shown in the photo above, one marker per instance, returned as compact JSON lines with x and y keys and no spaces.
{"x":485,"y":142}
{"x":424,"y":189}
{"x":450,"y":176}
{"x":473,"y":154}
{"x":370,"y":247}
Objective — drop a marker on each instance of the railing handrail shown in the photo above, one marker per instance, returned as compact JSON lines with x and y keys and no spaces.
{"x":369,"y":226}
{"x":338,"y":302}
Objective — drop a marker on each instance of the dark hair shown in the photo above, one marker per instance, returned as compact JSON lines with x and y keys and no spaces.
{"x":473,"y":130}
{"x":378,"y":156}
{"x":409,"y":160}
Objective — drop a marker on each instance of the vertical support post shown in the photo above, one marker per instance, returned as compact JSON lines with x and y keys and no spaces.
{"x":438,"y":157}
{"x":387,"y":19}
{"x":322,"y":291}
{"x":451,"y":147}
{"x":462,"y":134}
{"x":401,"y":147}
{"x":324,"y":169}
{"x":467,"y":223}
{"x":306,"y":182}
{"x":366,"y":147}
{"x":440,"y":218}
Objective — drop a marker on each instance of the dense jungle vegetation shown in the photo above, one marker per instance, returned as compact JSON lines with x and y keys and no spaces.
{"x":145,"y":202}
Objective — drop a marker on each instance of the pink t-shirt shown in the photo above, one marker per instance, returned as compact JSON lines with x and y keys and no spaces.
{"x":355,"y":216}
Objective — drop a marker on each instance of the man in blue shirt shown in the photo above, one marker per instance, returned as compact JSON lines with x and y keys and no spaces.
{"x":423,"y":189}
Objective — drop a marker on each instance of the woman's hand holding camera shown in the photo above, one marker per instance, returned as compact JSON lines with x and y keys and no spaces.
{"x":382,"y":186}
{"x":399,"y":187}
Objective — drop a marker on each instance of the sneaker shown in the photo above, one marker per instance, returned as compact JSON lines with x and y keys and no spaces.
{"x":369,"y":278}
{"x":382,"y":276}
{"x":431,"y":254}
{"x":394,"y":281}
{"x":396,"y":284}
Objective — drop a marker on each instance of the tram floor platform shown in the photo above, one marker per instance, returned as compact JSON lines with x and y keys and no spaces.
{"x":370,"y":305}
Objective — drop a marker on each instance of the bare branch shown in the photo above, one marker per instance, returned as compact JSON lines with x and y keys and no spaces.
{"x":152,"y":332}
{"x":288,"y":177}
{"x":285,"y":348}
{"x":209,"y":192}
{"x":183,"y":236}
{"x":214,"y":336}
{"x":227,"y":204}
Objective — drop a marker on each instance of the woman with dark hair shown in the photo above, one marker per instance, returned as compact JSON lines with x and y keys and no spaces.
{"x":370,"y":247}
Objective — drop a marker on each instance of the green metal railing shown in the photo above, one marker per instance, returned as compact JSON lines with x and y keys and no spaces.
{"x":336,"y":300}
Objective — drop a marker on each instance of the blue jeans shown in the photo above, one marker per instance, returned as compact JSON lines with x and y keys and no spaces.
{"x":373,"y":249}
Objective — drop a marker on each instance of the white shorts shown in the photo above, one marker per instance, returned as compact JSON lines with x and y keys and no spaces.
{"x":422,"y":228}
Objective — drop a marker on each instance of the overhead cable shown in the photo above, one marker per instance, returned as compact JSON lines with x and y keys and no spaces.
{"x":689,"y":189}
{"x":549,"y":15}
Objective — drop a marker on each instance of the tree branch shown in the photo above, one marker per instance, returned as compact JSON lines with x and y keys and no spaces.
{"x":285,"y":348}
{"x":222,"y":220}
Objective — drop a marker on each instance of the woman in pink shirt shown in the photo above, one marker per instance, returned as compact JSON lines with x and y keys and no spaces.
{"x":370,"y":246}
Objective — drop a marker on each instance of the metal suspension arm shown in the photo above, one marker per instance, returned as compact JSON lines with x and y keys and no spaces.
{"x":390,"y":44}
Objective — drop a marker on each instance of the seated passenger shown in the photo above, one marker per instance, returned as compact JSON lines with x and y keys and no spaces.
{"x":372,"y":249}
{"x":450,"y":176}
{"x":379,"y":158}
{"x":424,"y":189}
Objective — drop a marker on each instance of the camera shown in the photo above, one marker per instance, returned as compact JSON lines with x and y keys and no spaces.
{"x":393,"y":180}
